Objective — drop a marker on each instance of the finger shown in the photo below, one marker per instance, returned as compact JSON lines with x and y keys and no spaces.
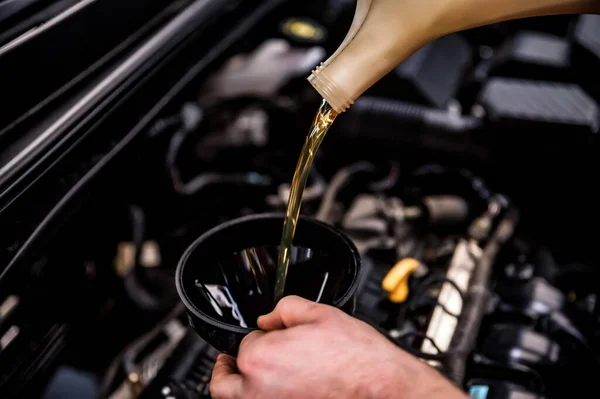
{"x":291,"y":311}
{"x":224,"y":366}
{"x":228,"y":387}
{"x":225,"y":383}
{"x":249,"y":339}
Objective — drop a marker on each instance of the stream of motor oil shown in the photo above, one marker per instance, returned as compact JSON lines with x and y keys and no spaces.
{"x":321,"y":124}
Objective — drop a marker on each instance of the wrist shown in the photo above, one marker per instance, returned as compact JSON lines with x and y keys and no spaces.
{"x":395,"y":378}
{"x":410,"y":378}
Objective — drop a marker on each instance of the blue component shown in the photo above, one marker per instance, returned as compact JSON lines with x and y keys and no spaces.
{"x":479,"y":391}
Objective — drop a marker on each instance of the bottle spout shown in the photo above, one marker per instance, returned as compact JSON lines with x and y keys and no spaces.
{"x":335,"y":95}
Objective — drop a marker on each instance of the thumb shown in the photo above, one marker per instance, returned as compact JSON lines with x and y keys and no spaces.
{"x":291,"y":311}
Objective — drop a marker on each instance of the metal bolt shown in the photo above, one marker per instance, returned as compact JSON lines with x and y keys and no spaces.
{"x":478,"y":111}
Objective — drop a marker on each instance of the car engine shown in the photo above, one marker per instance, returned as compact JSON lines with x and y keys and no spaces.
{"x":464,"y":178}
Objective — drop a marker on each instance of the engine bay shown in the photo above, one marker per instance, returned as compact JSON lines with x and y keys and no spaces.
{"x":464,"y":178}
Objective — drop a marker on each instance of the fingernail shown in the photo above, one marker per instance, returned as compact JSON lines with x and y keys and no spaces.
{"x":258,"y":320}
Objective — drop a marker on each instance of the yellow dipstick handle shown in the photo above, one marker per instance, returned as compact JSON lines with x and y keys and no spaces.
{"x":395,"y":282}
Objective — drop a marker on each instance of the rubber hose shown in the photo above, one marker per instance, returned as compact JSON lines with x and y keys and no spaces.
{"x":504,"y":231}
{"x":478,"y":297}
{"x":336,"y":184}
{"x":381,"y":117}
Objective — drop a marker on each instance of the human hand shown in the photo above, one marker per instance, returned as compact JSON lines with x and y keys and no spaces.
{"x":308,"y":350}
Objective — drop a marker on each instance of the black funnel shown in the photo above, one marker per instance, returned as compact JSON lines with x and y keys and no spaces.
{"x":226,"y":277}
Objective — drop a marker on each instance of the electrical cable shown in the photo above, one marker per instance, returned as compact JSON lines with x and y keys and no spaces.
{"x":435,"y":302}
{"x":413,"y":351}
{"x":423,"y":336}
{"x":439,"y":356}
{"x":421,"y":291}
{"x":432,"y":280}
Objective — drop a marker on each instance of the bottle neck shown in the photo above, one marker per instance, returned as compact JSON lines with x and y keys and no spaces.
{"x":386,"y":35}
